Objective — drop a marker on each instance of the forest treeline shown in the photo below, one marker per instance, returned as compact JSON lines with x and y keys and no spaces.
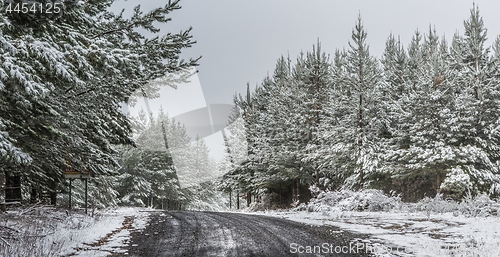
{"x":63,"y":79}
{"x":165,"y":169}
{"x":420,"y":120}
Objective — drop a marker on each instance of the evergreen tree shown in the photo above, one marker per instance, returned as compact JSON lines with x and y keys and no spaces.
{"x":415,"y":58}
{"x":148,"y":175}
{"x":423,"y":133}
{"x":63,"y":77}
{"x":313,"y":76}
{"x":204,"y":197}
{"x":496,"y":50}
{"x":395,"y":66}
{"x":352,"y":130}
{"x":478,"y":155}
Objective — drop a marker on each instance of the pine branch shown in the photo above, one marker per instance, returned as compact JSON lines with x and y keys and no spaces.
{"x":81,"y":93}
{"x":128,"y":27}
{"x":69,"y":89}
{"x":5,"y":241}
{"x":144,"y":21}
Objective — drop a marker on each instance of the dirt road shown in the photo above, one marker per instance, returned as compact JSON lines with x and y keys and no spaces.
{"x":193,"y":234}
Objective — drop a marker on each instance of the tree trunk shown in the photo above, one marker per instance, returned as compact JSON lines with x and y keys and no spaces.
{"x":230,"y":200}
{"x":360,"y":140}
{"x":34,"y":196}
{"x":298,"y":190}
{"x":249,"y":199}
{"x":2,"y":185}
{"x":281,"y":202}
{"x":238,"y":199}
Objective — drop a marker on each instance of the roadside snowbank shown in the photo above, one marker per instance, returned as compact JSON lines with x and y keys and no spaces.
{"x":432,"y":227}
{"x":46,"y":231}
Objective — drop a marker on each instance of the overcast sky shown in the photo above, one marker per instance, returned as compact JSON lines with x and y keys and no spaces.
{"x":240,"y":41}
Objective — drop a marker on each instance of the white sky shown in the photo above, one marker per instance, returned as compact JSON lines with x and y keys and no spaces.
{"x":240,"y":41}
{"x":185,"y":98}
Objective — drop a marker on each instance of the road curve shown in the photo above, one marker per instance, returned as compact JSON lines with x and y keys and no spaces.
{"x":193,"y":234}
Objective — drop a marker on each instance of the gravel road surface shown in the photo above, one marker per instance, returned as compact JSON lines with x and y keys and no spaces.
{"x":193,"y":234}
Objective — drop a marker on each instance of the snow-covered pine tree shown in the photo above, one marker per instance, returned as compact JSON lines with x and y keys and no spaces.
{"x":285,"y":136}
{"x":415,"y":57}
{"x":326,"y":156}
{"x":203,"y":168}
{"x":235,"y":151}
{"x":424,"y":115}
{"x":395,"y":66}
{"x":394,"y":87}
{"x":226,"y":167}
{"x":132,"y":185}
{"x":148,"y":173}
{"x":205,"y":197}
{"x":290,"y":105}
{"x":431,"y":45}
{"x":313,"y":76}
{"x":478,"y":107}
{"x":252,"y":109}
{"x":496,"y":50}
{"x":352,"y":131}
{"x":63,"y":77}
{"x":201,"y":186}
{"x":289,"y":131}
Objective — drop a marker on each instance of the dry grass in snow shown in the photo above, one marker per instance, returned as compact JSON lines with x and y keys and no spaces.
{"x":47,"y":231}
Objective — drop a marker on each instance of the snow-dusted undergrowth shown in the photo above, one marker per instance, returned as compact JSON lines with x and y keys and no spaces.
{"x":47,"y":231}
{"x":432,"y":227}
{"x":376,"y":200}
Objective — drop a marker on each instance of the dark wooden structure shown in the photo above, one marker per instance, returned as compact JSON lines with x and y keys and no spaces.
{"x":71,"y":174}
{"x":12,"y":191}
{"x":13,"y":188}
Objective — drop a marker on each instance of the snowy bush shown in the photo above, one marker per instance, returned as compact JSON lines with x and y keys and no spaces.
{"x":376,"y":200}
{"x":470,"y":206}
{"x":456,"y":183}
{"x":480,"y":205}
{"x":435,"y":205}
{"x":348,"y":200}
{"x":314,"y":190}
{"x":370,"y":200}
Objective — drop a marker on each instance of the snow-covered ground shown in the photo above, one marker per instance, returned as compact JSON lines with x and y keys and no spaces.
{"x":45,"y":231}
{"x":407,"y":229}
{"x":412,"y":234}
{"x":432,"y":227}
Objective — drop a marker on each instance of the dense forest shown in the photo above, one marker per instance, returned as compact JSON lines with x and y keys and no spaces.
{"x":165,"y":169}
{"x":63,"y":79}
{"x":420,"y":120}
